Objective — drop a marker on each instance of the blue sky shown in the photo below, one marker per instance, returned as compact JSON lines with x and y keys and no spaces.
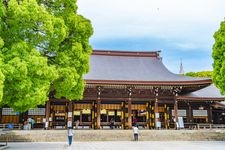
{"x":181,"y":29}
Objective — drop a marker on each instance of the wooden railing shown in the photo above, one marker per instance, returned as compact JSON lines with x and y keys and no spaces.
{"x":218,"y":125}
{"x":11,"y":126}
{"x":209,"y":126}
{"x":204,"y":126}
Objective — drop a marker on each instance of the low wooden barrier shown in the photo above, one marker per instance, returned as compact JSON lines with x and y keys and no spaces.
{"x":11,"y":126}
{"x":218,"y":125}
{"x":204,"y":126}
{"x":210,"y":126}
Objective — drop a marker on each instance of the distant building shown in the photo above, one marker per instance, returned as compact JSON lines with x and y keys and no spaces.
{"x":181,"y":71}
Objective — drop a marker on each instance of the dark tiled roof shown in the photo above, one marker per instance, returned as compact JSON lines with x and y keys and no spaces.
{"x":219,"y":104}
{"x":131,"y":66}
{"x":210,"y":92}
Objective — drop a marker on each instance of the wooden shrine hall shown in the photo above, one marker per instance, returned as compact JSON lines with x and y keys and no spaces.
{"x":130,"y":87}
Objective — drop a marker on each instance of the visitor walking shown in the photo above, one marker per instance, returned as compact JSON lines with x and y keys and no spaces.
{"x":77,"y":124}
{"x":112,"y":122}
{"x":135,"y":121}
{"x":32,"y":123}
{"x":135,"y":130}
{"x":29,"y":120}
{"x":70,"y":135}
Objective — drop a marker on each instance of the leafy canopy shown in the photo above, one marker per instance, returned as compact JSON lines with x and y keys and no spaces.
{"x":200,"y":74}
{"x":44,"y":47}
{"x":218,"y":55}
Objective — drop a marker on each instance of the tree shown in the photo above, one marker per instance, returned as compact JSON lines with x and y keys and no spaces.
{"x":45,"y":48}
{"x":218,"y":55}
{"x":200,"y":74}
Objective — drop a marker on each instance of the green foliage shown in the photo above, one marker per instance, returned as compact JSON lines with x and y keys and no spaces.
{"x":200,"y":74}
{"x":2,"y":79}
{"x":44,"y":47}
{"x":219,"y":58}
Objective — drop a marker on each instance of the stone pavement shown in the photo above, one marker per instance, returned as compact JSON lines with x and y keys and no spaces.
{"x":120,"y":145}
{"x":114,"y":135}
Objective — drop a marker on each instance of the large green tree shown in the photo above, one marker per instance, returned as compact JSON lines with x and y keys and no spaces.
{"x":200,"y":74}
{"x":219,"y":58}
{"x":44,"y":47}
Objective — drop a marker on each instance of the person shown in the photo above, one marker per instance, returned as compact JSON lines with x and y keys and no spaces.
{"x":32,"y":123}
{"x":25,"y":125}
{"x":70,"y":135}
{"x":135,"y":121}
{"x":69,"y":123}
{"x":29,"y":120}
{"x":112,"y":123}
{"x":77,"y":124}
{"x":135,"y":130}
{"x":176,"y":125}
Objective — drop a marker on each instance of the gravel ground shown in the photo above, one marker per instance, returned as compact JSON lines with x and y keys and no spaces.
{"x":122,"y":145}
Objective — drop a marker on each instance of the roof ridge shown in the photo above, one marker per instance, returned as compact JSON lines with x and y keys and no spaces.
{"x":127,"y":53}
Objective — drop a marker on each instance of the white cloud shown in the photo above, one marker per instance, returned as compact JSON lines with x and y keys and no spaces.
{"x":187,"y":25}
{"x":161,"y":18}
{"x":186,"y":45}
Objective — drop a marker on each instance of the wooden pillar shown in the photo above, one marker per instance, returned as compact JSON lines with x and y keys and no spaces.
{"x":47,"y":114}
{"x":165,"y":116}
{"x":150,"y":115}
{"x":122,"y":115}
{"x":210,"y":114}
{"x":93,"y":115}
{"x":129,"y":109}
{"x":80,"y":120}
{"x":129,"y":114}
{"x":156,"y":109}
{"x":147,"y":115}
{"x":190,"y":113}
{"x":168,"y":117}
{"x":98,"y":113}
{"x":175,"y":112}
{"x":98,"y":109}
{"x":156,"y":112}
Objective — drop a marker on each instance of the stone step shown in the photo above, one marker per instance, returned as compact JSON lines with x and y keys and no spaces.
{"x":113,"y":135}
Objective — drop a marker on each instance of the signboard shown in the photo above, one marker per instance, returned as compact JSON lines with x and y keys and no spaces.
{"x":86,"y":111}
{"x":103,"y":111}
{"x":50,"y":118}
{"x":158,"y":124}
{"x":46,"y":124}
{"x":36,"y":111}
{"x":111,"y":113}
{"x":9,"y":111}
{"x":200,"y":113}
{"x":76,"y":113}
{"x":156,"y":115}
{"x":180,"y":112}
{"x":69,"y":114}
{"x":180,"y":122}
{"x":119,"y":113}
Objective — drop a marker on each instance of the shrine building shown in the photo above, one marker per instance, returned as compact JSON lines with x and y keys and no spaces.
{"x":131,"y":87}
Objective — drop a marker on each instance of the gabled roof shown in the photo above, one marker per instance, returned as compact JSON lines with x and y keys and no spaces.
{"x":208,"y":93}
{"x":135,"y":67}
{"x":219,"y":104}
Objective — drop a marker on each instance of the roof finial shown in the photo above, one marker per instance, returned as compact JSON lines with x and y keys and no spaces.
{"x":181,"y":68}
